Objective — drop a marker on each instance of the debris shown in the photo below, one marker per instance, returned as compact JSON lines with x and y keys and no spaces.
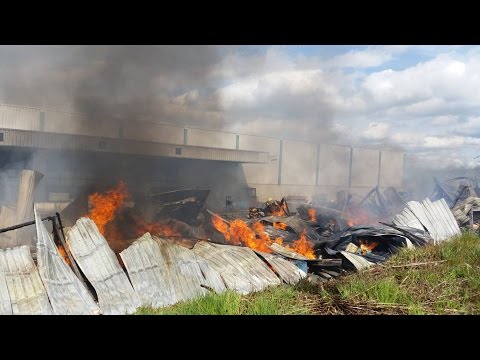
{"x":163,"y":273}
{"x":455,"y":190}
{"x":101,"y":267}
{"x":286,"y":270}
{"x":240,"y":268}
{"x":25,"y":288}
{"x":183,"y":205}
{"x":352,"y":248}
{"x":467,"y":211}
{"x":66,"y":291}
{"x":358,"y":262}
{"x":435,"y":217}
{"x":270,"y":207}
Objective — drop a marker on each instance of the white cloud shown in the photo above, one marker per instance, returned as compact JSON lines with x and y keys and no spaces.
{"x":376,"y":131}
{"x":361,"y":58}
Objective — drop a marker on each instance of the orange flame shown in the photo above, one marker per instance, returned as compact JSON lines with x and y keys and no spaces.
{"x":302,"y":246}
{"x":141,"y":227}
{"x":312,"y":214}
{"x":63,"y":253}
{"x":239,"y":233}
{"x":104,"y":206}
{"x":280,"y":226}
{"x":367,"y":246}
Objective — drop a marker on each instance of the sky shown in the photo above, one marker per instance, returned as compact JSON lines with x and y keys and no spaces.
{"x":424,"y":100}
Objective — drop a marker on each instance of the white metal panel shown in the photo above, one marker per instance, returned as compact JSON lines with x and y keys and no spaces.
{"x":164,"y":273}
{"x":286,"y":270}
{"x":419,"y":211}
{"x":67,"y":293}
{"x":26,"y":290}
{"x":5,"y":305}
{"x":101,"y":267}
{"x":239,"y":267}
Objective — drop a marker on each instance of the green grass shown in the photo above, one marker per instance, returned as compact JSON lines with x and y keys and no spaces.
{"x":274,"y":301}
{"x":448,"y":284}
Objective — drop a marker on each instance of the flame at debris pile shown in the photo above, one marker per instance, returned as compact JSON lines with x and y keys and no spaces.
{"x":105,"y":205}
{"x":141,"y":227}
{"x":63,"y":253}
{"x":105,"y":210}
{"x":239,"y":233}
{"x":312,"y":214}
{"x":302,"y":246}
{"x":367,"y":246}
{"x":280,"y":226}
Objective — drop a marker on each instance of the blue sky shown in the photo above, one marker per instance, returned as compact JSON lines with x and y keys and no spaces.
{"x":424,"y":100}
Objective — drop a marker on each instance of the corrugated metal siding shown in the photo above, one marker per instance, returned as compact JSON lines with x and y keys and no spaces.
{"x":436,"y":217}
{"x":19,"y":138}
{"x":67,"y":294}
{"x":164,"y":273}
{"x":19,"y":117}
{"x":146,"y":131}
{"x":26,"y":290}
{"x":5,"y":305}
{"x":211,"y":138}
{"x":407,"y":218}
{"x":287,"y":270}
{"x":239,"y":267}
{"x":101,"y":267}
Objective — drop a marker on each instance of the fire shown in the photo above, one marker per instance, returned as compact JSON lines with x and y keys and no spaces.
{"x":312,"y":214}
{"x":239,"y":233}
{"x":105,"y":205}
{"x":280,"y":226}
{"x":302,"y":246}
{"x":367,"y":246}
{"x":141,"y":227}
{"x":63,"y":253}
{"x":104,"y":211}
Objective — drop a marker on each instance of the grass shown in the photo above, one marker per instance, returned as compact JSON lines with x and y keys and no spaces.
{"x":446,"y":280}
{"x":274,"y":301}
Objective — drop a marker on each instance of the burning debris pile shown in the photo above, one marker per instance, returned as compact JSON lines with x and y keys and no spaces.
{"x":125,"y":251}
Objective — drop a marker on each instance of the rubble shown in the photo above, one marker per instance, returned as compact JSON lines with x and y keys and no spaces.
{"x":177,"y":249}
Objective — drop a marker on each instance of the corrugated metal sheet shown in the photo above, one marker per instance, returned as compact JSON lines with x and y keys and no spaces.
{"x":240,"y":268}
{"x":25,"y":288}
{"x":436,"y":217}
{"x":67,"y":293}
{"x":28,"y":182}
{"x":462,"y":211}
{"x":287,"y":253}
{"x":19,"y":117}
{"x":101,"y":267}
{"x":210,"y":138}
{"x":5,"y":305}
{"x":29,"y":139}
{"x":287,"y":270}
{"x":8,"y":217}
{"x":357,"y":261}
{"x":164,"y":273}
{"x":407,"y":218}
